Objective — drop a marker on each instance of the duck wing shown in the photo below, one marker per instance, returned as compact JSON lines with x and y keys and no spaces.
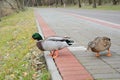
{"x":61,"y":39}
{"x":56,"y":38}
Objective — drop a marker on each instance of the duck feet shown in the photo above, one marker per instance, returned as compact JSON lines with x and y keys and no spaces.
{"x":55,"y":55}
{"x":97,"y":54}
{"x":51,"y":53}
{"x":108,"y":54}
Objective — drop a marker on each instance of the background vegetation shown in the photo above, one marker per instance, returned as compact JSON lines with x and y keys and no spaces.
{"x":10,"y":6}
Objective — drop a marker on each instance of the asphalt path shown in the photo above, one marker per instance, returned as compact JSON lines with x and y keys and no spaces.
{"x":111,"y":16}
{"x":82,"y":30}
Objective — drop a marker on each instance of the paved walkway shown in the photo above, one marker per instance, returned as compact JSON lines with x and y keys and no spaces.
{"x":74,"y":63}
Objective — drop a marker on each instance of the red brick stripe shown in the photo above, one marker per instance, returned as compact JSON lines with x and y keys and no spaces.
{"x":67,"y":64}
{"x":96,"y":21}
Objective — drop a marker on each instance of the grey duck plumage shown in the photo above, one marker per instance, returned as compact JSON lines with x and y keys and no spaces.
{"x":52,"y":43}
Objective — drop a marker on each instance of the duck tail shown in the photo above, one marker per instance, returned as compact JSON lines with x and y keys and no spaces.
{"x":69,"y":42}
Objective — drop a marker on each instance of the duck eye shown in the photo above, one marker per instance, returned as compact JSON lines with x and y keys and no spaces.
{"x":109,"y":39}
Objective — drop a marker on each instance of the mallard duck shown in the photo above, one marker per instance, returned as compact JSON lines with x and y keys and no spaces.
{"x":100,"y":44}
{"x":52,"y":43}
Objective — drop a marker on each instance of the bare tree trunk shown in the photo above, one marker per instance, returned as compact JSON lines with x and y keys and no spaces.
{"x":99,"y":2}
{"x":118,"y":1}
{"x":28,"y":2}
{"x":40,"y":3}
{"x":115,"y":2}
{"x":94,"y":3}
{"x":79,"y":3}
{"x":10,"y":4}
{"x":64,"y":3}
{"x":36,"y":3}
{"x":13,"y":8}
{"x":74,"y":2}
{"x":33,"y":2}
{"x":23,"y":3}
{"x":49,"y":2}
{"x":20,"y":4}
{"x":90,"y":2}
{"x":61,"y":2}
{"x":1,"y":9}
{"x":56,"y":3}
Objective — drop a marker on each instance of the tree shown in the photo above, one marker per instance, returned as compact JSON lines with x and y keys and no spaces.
{"x":20,"y":4}
{"x":64,"y":3}
{"x":74,"y":2}
{"x":115,"y":2}
{"x":99,"y":2}
{"x":61,"y":2}
{"x":56,"y":3}
{"x":79,"y":3}
{"x":9,"y":6}
{"x":94,"y":3}
{"x":1,"y":9}
{"x":90,"y":2}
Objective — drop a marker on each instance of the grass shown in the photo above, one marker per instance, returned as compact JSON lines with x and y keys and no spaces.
{"x":15,"y":44}
{"x":103,"y":7}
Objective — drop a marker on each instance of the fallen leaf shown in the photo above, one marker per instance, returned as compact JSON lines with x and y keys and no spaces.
{"x":34,"y":75}
{"x":25,"y":74}
{"x":12,"y":75}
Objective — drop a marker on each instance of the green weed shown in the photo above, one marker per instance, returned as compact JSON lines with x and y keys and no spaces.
{"x":15,"y":44}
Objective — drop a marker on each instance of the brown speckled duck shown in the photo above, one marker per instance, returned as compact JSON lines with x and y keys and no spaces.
{"x":52,"y":43}
{"x":100,"y":44}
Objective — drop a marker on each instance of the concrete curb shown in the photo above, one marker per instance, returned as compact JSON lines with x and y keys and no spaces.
{"x":50,"y":63}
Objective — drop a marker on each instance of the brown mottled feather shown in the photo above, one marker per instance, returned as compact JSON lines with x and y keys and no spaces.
{"x":99,"y":44}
